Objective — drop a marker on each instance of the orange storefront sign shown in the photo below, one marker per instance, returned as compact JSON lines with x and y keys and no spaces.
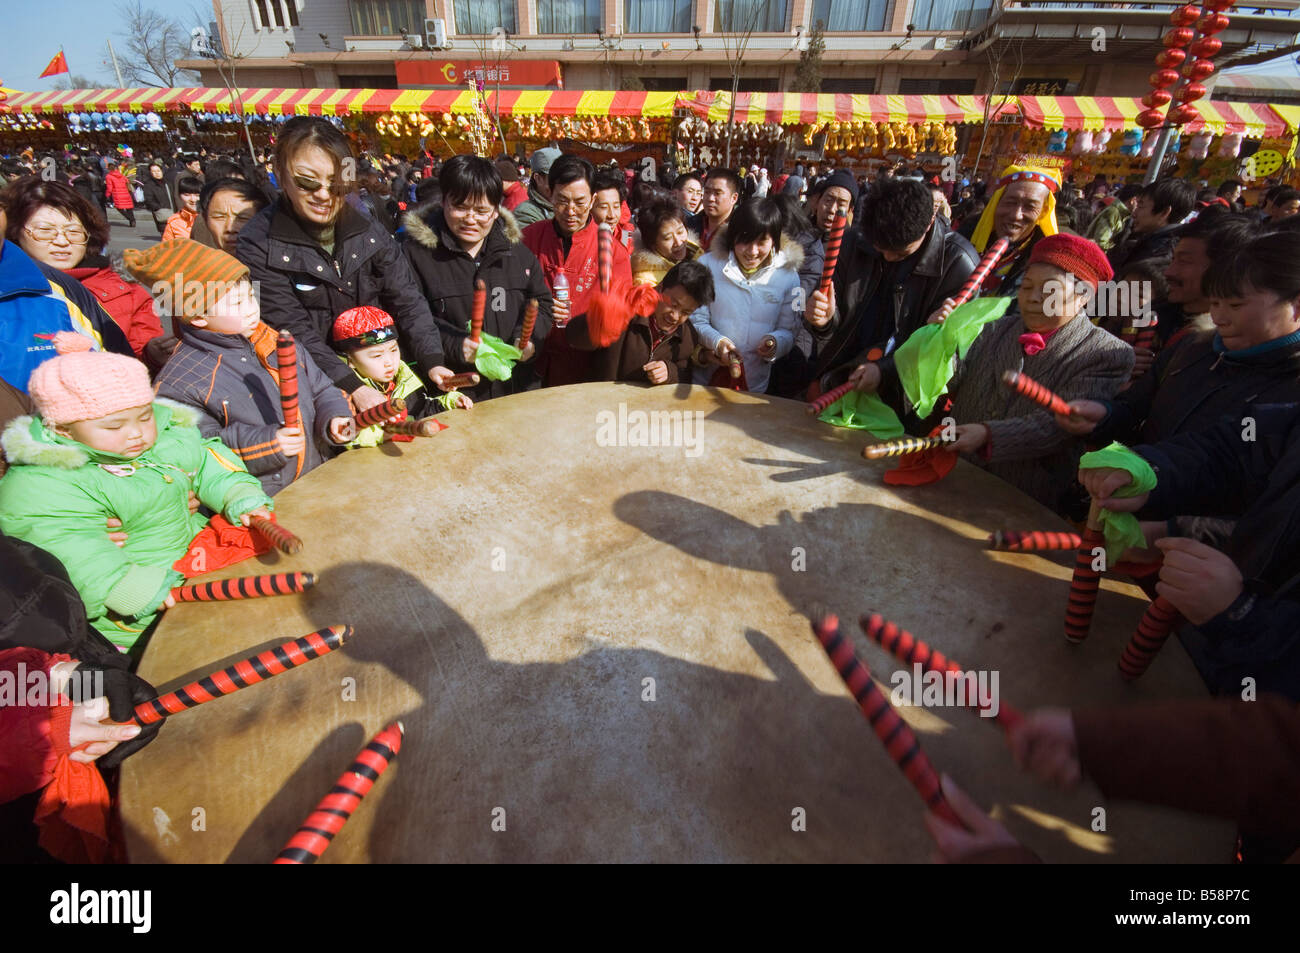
{"x":437,"y":72}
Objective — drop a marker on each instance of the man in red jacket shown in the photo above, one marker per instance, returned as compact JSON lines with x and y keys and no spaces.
{"x":568,"y":243}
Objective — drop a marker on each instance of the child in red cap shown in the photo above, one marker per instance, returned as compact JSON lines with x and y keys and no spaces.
{"x":366,"y":337}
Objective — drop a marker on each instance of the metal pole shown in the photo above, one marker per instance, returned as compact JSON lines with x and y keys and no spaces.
{"x":116,"y":69}
{"x":1158,"y":156}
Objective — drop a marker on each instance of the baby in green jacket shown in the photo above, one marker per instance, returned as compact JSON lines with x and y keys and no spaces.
{"x":101,"y":446}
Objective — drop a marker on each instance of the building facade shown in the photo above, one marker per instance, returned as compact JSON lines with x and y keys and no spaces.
{"x":1044,"y":47}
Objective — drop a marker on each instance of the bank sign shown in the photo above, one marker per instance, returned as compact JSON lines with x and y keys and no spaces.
{"x":505,"y":72}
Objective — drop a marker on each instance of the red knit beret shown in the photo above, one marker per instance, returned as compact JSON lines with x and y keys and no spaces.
{"x":1078,"y":256}
{"x":361,"y":327}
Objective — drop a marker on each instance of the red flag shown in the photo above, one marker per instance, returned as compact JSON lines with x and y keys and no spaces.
{"x":57,"y":65}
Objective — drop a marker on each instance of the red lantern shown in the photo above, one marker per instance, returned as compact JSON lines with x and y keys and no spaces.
{"x":1170,"y":59}
{"x":1205,"y":47}
{"x":1182,"y":35}
{"x":1218,"y":6}
{"x":1197,"y":70}
{"x":1212,"y":23}
{"x":1185,"y":16}
{"x":1156,"y":98}
{"x":1163,"y":77}
{"x":1191,"y":93}
{"x":1150,"y":118}
{"x":1181,"y":115}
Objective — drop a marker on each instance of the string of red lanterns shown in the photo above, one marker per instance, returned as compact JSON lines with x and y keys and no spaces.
{"x":1180,"y":40}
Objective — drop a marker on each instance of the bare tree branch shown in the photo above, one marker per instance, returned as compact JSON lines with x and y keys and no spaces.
{"x":151,"y":43}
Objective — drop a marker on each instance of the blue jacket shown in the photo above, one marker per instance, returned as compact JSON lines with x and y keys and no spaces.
{"x":36,"y":302}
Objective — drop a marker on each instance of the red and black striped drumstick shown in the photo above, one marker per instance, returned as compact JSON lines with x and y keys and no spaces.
{"x":530,"y":322}
{"x":828,"y":398}
{"x":478,"y":310}
{"x":334,"y":810}
{"x":986,"y":264}
{"x":1033,"y":541}
{"x":249,"y":671}
{"x":909,"y":649}
{"x":245,"y":587}
{"x":1084,"y":582}
{"x":1160,"y":619}
{"x":898,"y":739}
{"x":901,"y":446}
{"x":605,"y":256}
{"x":467,"y":379}
{"x":286,"y":359}
{"x":1026,"y":386}
{"x":428,"y":427}
{"x":395,"y":407}
{"x":834,"y":239}
{"x":277,"y":535}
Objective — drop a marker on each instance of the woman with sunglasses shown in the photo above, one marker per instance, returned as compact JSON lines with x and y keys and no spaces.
{"x":314,"y":257}
{"x":57,"y":227}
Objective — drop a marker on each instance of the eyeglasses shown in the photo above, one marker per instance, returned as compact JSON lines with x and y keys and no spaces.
{"x":563,"y":204}
{"x":75,"y":234}
{"x":311,"y":186}
{"x":479,"y":214}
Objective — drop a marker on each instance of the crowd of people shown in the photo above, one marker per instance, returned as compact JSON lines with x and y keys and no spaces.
{"x":135,"y":457}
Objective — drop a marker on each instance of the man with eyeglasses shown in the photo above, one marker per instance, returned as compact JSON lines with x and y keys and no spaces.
{"x":569,"y":244}
{"x":689,"y":192}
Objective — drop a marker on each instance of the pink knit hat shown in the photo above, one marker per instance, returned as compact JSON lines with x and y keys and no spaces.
{"x":87,"y":385}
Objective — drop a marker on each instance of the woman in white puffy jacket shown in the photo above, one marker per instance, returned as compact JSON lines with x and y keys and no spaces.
{"x":755,"y":310}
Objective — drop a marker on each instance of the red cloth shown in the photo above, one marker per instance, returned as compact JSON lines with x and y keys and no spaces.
{"x":218,"y":545}
{"x":927,"y":466}
{"x":129,"y":304}
{"x":559,"y":363}
{"x":1035,"y":341}
{"x":722,"y":378}
{"x":516,"y":194}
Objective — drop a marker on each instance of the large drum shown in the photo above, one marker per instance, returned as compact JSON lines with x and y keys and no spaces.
{"x":589,"y":607}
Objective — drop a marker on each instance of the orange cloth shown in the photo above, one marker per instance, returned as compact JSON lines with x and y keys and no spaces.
{"x":218,"y":545}
{"x":264,"y":339}
{"x":926,"y":466}
{"x":73,"y":810}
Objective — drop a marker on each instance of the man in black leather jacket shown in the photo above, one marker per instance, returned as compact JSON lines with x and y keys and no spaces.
{"x":893,"y":272}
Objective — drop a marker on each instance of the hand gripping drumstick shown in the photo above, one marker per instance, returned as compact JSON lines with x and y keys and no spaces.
{"x":1084,"y":583}
{"x":461,"y":380}
{"x":1026,"y":386}
{"x":736,"y":364}
{"x":898,"y":739}
{"x":909,"y":649}
{"x":833,"y":242}
{"x":428,"y":427}
{"x":245,"y":587}
{"x":896,"y":448}
{"x":530,"y":321}
{"x":605,"y":256}
{"x":828,"y":398}
{"x":1033,"y":541}
{"x":1160,"y":619}
{"x":245,"y":672}
{"x":986,"y":264}
{"x":479,"y":308}
{"x":380,"y":412}
{"x":277,"y":535}
{"x":334,"y":810}
{"x":286,"y":359}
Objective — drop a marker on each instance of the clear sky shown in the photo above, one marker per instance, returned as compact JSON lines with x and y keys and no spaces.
{"x":31,"y":32}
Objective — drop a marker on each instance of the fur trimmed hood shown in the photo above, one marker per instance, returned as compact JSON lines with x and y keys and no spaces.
{"x":418,"y":229}
{"x":27,"y":442}
{"x":789,"y":255}
{"x":647,"y":259}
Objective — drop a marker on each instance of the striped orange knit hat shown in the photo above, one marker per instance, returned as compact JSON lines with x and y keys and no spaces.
{"x":186,"y":271}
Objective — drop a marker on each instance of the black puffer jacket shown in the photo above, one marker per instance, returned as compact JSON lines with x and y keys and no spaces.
{"x":446,"y":276}
{"x":304,"y":288}
{"x":946,"y":261}
{"x":157,"y":193}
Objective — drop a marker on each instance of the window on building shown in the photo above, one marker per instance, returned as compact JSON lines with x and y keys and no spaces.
{"x":948,"y":14}
{"x":263,"y":19}
{"x":851,"y":16}
{"x":936,"y":87}
{"x":861,"y":86}
{"x":367,"y":81}
{"x":385,"y":17}
{"x":480,"y":17}
{"x":760,"y":16}
{"x":569,"y":16}
{"x":748,"y":84}
{"x":657,"y":16}
{"x":664,"y":84}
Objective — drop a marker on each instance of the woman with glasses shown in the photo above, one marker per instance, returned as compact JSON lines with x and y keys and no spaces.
{"x":314,"y":257}
{"x":55,"y":226}
{"x":468,"y":236}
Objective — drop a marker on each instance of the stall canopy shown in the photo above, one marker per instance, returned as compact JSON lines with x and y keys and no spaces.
{"x":808,"y":108}
{"x":138,"y":99}
{"x":1094,"y":113}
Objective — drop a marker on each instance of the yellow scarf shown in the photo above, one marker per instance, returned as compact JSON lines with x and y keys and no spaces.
{"x":1014,"y":173}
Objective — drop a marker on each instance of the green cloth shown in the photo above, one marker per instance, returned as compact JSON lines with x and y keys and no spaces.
{"x":924,"y":361}
{"x":495,"y":359}
{"x":1121,"y":529}
{"x":860,"y":411}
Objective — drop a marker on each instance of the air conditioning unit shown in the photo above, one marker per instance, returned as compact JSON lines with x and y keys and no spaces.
{"x":940,"y":42}
{"x":435,"y":34}
{"x":414,"y":41}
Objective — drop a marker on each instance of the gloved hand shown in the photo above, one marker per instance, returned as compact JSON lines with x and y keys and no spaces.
{"x":124,"y":691}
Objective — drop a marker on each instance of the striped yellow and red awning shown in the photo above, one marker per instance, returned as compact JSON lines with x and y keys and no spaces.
{"x":137,"y":99}
{"x":290,"y":102}
{"x":797,"y":109}
{"x":1253,"y":120}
